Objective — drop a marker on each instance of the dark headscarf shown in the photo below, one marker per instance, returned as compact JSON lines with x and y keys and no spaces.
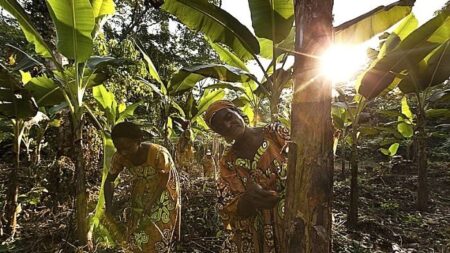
{"x":219,"y":105}
{"x":126,"y":130}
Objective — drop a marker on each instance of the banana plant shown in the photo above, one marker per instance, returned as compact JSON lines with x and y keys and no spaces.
{"x":378,"y":73}
{"x":193,"y":108}
{"x":183,"y":81}
{"x":17,"y":105}
{"x":77,"y":22}
{"x":112,"y":114}
{"x":416,"y":59}
{"x":404,"y":128}
{"x":346,"y":114}
{"x":192,"y":124}
{"x":272,"y":21}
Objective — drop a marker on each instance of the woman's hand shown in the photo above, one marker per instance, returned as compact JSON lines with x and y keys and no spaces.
{"x":260,"y":198}
{"x":255,"y":197}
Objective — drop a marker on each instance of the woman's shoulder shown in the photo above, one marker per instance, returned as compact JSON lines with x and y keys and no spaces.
{"x":276,"y":130}
{"x":118,"y":162}
{"x":157,"y":151}
{"x":118,"y":158}
{"x":228,"y":157}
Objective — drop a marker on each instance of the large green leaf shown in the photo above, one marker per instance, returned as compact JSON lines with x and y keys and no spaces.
{"x":266,"y":48}
{"x":415,"y":51}
{"x":217,"y":24}
{"x":405,"y":27}
{"x":102,"y":7}
{"x":23,"y":60}
{"x":107,"y":101}
{"x":408,"y":56}
{"x":374,"y":82}
{"x":434,"y":31}
{"x":153,"y":86}
{"x":432,"y":71}
{"x":183,"y":81}
{"x":18,"y":104}
{"x":151,"y":67}
{"x":97,"y":62}
{"x":250,"y":87}
{"x":177,"y":107}
{"x":30,"y":32}
{"x":373,"y":22}
{"x":15,"y":101}
{"x":100,"y":69}
{"x":74,"y":20}
{"x":285,"y":46}
{"x":186,"y":78}
{"x":228,"y":57}
{"x":45,"y":91}
{"x":272,"y":19}
{"x":229,"y":86}
{"x":288,"y":44}
{"x":128,"y":112}
{"x":221,"y":72}
{"x":206,"y":100}
{"x":438,"y":65}
{"x":103,"y":97}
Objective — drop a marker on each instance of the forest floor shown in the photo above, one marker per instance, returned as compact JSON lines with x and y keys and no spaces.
{"x":388,"y":220}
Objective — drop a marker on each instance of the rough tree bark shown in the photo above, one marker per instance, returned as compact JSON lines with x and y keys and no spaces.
{"x":310,"y":172}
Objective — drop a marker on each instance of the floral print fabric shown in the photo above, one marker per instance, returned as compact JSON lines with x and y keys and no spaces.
{"x":155,"y":203}
{"x":262,"y":233}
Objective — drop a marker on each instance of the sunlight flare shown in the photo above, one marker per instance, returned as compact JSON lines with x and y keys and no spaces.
{"x":341,"y":62}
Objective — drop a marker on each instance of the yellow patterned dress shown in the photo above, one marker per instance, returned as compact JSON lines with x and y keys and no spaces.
{"x":262,"y":233}
{"x":155,"y":204}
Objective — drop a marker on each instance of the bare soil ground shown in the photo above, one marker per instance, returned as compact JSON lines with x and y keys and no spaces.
{"x":388,"y":221}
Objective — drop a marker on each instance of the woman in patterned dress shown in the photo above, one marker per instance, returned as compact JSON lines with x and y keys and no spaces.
{"x":155,"y":196}
{"x":251,"y":184}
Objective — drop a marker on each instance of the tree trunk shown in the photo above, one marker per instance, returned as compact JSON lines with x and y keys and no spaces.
{"x":422,"y":189}
{"x":310,"y":172}
{"x":13,"y":188}
{"x":352,"y":217}
{"x":80,"y":180}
